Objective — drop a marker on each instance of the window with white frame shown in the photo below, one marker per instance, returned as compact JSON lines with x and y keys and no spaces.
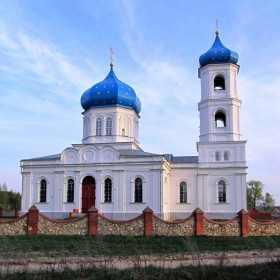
{"x":138,"y":190}
{"x":99,"y":126}
{"x":124,"y":125}
{"x":43,"y":191}
{"x":222,"y":191}
{"x":70,"y":190}
{"x":183,"y":192}
{"x":87,"y":127}
{"x":109,"y":126}
{"x":108,"y":190}
{"x":226,"y":155}
{"x":217,"y":156}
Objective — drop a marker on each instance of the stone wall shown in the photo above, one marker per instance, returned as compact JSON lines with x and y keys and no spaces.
{"x":16,"y":226}
{"x":134,"y":226}
{"x":229,"y":228}
{"x":264,"y":229}
{"x":185,"y":227}
{"x":56,"y":227}
{"x":146,"y":224}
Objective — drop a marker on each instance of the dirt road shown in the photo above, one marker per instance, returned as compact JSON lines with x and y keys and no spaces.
{"x":168,"y":261}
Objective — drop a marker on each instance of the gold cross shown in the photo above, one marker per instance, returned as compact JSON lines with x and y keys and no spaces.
{"x":217,"y":27}
{"x":111,"y":57}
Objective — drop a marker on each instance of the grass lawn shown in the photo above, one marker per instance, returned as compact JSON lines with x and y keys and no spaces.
{"x":48,"y":245}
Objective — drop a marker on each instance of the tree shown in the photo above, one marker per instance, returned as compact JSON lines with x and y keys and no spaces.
{"x":4,"y":187}
{"x":268,"y":204}
{"x":14,"y":199}
{"x":254,"y":194}
{"x":9,"y":199}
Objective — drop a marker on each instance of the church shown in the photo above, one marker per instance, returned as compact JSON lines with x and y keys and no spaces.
{"x":110,"y":170}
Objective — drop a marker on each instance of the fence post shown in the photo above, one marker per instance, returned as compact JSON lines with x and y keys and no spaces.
{"x":244,"y":221}
{"x":92,"y":221}
{"x":33,"y":220}
{"x":199,"y":217}
{"x":1,"y":212}
{"x":148,"y":221}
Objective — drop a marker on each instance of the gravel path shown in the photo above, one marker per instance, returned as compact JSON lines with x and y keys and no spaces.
{"x":168,"y":261}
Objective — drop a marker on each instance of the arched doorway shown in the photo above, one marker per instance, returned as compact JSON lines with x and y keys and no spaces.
{"x":88,"y":193}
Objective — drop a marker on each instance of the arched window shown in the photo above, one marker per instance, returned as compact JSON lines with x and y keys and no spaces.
{"x":183,"y":192}
{"x":43,"y":191}
{"x":217,"y":156}
{"x":99,"y":126}
{"x":221,"y":191}
{"x":109,"y":126}
{"x":219,"y":83}
{"x":226,"y":155}
{"x":70,"y":190}
{"x":124,"y":126}
{"x":138,"y":190}
{"x":87,"y":127}
{"x":220,"y":119}
{"x":108,"y":190}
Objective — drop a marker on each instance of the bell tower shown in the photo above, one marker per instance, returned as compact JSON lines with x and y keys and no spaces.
{"x":221,"y":148}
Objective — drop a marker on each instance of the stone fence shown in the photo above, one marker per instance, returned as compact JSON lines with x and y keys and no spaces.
{"x":147,"y":224}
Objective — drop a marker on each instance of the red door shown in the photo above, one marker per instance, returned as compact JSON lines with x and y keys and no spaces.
{"x":88,"y":193}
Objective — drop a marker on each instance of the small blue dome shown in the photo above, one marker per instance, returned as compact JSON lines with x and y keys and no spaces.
{"x":111,"y":92}
{"x":218,"y":54}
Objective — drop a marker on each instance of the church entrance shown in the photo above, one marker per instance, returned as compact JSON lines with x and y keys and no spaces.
{"x":88,"y":193}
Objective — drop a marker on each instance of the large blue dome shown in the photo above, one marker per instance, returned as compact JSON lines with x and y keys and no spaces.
{"x":218,"y":53}
{"x":111,"y":92}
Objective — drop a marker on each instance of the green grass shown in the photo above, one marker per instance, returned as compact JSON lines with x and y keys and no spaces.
{"x":48,"y":245}
{"x":269,"y":271}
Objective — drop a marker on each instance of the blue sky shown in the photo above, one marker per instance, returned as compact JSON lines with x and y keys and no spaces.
{"x":52,"y":51}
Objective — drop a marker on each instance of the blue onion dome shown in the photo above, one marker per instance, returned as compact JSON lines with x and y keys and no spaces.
{"x":109,"y":93}
{"x":218,"y":53}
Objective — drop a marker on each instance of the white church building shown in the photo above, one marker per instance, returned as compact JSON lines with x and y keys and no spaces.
{"x":110,"y":171}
